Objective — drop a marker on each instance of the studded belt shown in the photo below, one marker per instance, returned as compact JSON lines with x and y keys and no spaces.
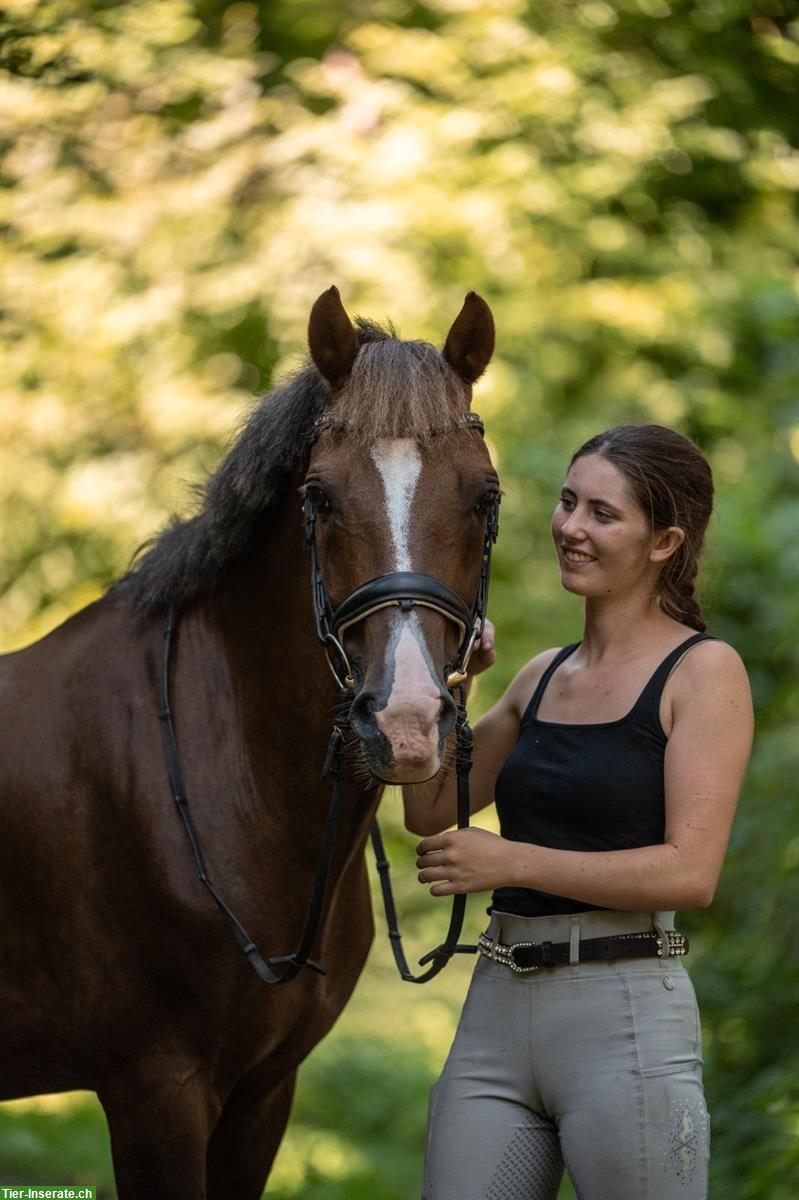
{"x":523,"y":957}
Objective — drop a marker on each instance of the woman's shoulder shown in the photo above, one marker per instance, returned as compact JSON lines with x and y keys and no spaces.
{"x":520,"y":689}
{"x":712,"y":652}
{"x":709,"y":667}
{"x":707,"y":700}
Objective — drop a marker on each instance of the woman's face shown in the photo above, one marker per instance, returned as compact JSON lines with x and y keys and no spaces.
{"x":602,"y":537}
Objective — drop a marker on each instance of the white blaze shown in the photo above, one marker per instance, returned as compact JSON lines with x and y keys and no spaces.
{"x":399,"y":464}
{"x":409,"y":719}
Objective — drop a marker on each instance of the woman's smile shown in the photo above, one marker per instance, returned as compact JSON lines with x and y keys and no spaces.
{"x":577,"y":557}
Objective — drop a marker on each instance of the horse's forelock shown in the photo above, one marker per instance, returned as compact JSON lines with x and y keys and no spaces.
{"x":398,"y":389}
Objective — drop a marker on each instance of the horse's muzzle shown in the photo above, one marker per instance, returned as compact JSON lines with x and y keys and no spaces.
{"x":403,"y":743}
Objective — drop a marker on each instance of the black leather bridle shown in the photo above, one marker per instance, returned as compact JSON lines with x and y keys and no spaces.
{"x":404,"y":589}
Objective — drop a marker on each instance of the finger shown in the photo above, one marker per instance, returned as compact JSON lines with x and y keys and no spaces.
{"x":434,"y":859}
{"x":430,"y":874}
{"x":445,"y":889}
{"x":436,"y":842}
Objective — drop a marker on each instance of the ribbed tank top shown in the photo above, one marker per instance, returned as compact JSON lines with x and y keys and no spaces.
{"x":585,"y":786}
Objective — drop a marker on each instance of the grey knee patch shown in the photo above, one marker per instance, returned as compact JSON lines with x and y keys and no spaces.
{"x":531,"y":1167}
{"x":687,"y":1141}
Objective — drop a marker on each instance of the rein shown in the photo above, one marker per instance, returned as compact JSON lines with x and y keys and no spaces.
{"x":403,"y":589}
{"x":443,"y":953}
{"x":291,"y":964}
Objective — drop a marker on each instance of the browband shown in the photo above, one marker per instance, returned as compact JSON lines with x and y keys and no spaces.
{"x":329,"y":420}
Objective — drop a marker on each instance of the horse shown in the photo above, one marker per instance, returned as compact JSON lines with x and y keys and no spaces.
{"x":119,"y":975}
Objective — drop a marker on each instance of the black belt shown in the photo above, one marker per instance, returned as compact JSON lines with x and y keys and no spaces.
{"x":529,"y":956}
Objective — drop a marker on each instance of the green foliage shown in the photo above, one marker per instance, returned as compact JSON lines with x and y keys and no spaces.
{"x":618,"y":179}
{"x":61,"y":1144}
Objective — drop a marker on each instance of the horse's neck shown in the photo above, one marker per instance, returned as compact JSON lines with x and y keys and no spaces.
{"x":264,"y":620}
{"x":257,"y":696}
{"x":253,"y":703}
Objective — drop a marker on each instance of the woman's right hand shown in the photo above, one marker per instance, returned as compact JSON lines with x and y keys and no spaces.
{"x":483,"y":655}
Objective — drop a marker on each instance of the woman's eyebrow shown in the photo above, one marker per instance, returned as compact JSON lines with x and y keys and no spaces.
{"x":599,"y":503}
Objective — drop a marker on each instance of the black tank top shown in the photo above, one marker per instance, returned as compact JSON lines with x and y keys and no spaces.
{"x":584,"y":787}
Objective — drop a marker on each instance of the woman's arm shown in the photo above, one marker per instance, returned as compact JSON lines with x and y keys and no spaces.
{"x":705,"y":761}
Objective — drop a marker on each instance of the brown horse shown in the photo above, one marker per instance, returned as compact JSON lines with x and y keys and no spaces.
{"x":118,"y":974}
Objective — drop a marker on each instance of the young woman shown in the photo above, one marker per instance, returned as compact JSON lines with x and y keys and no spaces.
{"x":617,"y":764}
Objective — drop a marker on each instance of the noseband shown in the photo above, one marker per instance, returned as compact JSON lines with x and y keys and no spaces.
{"x":405,"y":590}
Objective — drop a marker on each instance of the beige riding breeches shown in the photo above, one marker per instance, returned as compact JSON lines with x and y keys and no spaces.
{"x":593,"y":1066}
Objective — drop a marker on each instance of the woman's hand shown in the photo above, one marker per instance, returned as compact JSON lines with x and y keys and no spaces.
{"x":483,"y":655}
{"x":464,"y":860}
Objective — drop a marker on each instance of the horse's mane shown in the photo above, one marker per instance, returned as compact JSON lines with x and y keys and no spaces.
{"x":396,"y":389}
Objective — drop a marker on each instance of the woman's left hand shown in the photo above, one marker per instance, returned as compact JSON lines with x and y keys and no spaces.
{"x":466,"y":860}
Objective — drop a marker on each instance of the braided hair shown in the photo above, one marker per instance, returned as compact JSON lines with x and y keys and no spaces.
{"x":672,"y":481}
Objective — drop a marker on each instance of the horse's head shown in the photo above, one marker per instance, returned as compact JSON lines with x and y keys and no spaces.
{"x":399,"y":480}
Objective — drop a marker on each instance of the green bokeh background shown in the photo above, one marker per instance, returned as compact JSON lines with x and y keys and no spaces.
{"x":618,"y":179}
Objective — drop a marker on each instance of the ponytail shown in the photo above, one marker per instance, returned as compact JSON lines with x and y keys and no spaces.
{"x":676,"y":593}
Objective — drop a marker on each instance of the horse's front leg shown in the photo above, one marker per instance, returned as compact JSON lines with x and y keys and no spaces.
{"x":246,"y":1139}
{"x":160,"y":1117}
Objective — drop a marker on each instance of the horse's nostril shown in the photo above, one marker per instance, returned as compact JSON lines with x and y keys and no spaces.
{"x":446,"y":719}
{"x":362,"y":714}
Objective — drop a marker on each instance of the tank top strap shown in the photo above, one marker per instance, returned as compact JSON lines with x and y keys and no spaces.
{"x":649,"y":700}
{"x":535,"y":699}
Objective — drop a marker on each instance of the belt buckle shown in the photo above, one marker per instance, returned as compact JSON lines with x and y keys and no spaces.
{"x":514,"y":966}
{"x":676,"y":944}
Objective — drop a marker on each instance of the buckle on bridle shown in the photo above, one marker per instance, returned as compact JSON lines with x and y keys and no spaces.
{"x":458,"y":674}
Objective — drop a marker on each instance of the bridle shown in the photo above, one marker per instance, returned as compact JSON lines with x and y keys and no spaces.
{"x":406,"y":590}
{"x":403,"y":589}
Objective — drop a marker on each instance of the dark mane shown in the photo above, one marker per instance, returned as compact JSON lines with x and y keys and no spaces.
{"x":396,"y":389}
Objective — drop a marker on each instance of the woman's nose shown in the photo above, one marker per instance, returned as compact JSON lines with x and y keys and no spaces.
{"x":572,"y":527}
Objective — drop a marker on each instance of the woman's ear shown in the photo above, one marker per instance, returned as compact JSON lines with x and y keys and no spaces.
{"x":665,"y":543}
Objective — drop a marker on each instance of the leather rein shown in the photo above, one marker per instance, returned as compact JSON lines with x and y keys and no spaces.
{"x":404,"y":589}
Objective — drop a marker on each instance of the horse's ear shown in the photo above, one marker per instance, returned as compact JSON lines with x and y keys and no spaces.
{"x":331,"y":337}
{"x":470,"y":341}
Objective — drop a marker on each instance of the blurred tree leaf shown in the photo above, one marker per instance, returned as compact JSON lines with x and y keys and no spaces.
{"x":183,"y":177}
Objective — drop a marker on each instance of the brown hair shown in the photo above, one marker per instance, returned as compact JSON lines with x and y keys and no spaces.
{"x":672,"y":481}
{"x":396,"y":389}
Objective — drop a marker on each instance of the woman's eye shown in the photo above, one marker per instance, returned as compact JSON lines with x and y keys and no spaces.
{"x":603,"y":516}
{"x":567,"y":503}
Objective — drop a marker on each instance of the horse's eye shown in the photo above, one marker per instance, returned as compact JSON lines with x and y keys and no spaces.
{"x":316,"y":495}
{"x":486,"y":500}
